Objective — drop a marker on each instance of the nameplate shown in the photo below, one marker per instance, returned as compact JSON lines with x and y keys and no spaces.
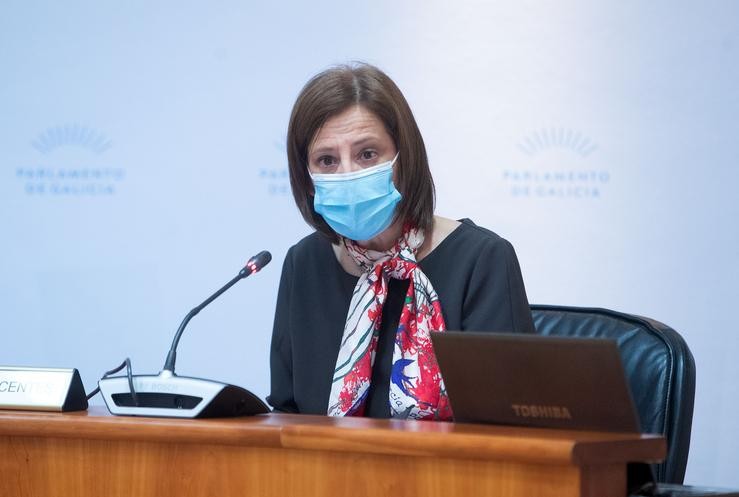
{"x":41,"y":389}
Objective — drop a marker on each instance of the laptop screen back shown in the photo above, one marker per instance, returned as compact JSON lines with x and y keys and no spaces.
{"x":531,"y":380}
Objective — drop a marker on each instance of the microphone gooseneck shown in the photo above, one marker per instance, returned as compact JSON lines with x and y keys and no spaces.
{"x":252,"y":266}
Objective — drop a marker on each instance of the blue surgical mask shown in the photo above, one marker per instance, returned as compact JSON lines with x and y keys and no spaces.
{"x":358,"y":205}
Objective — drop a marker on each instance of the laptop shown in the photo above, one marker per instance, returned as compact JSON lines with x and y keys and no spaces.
{"x":534,"y":380}
{"x":547,"y":382}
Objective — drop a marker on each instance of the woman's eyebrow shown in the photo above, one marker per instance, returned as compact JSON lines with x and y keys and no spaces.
{"x":362,"y":140}
{"x":365,"y":139}
{"x":322,"y":150}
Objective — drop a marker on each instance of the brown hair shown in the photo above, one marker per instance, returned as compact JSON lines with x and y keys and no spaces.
{"x":331,"y":92}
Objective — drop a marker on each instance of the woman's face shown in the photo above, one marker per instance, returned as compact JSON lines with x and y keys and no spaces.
{"x":350,"y":141}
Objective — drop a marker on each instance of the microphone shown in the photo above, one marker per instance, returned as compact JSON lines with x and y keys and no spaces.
{"x":252,"y":266}
{"x":169,"y":395}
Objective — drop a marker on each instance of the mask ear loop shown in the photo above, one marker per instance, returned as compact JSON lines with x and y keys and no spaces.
{"x":312,"y":191}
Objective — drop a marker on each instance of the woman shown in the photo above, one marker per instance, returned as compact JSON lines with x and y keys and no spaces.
{"x":358,"y":297}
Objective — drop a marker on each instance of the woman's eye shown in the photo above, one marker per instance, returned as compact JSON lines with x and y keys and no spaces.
{"x":326,"y":161}
{"x":368,"y":155}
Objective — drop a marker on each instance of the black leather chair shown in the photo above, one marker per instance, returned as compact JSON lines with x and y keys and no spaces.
{"x":659,"y":367}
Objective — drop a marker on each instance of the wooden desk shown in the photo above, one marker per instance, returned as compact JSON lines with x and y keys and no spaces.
{"x":95,"y":454}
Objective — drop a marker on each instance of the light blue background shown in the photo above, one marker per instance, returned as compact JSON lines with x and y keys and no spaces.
{"x":194,"y":100}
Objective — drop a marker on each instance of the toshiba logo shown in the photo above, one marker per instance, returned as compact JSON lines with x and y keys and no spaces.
{"x":535,"y":411}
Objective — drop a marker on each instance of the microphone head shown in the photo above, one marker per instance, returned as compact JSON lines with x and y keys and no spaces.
{"x":258,"y":262}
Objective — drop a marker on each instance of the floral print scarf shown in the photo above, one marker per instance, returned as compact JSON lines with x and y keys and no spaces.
{"x":416,"y":386}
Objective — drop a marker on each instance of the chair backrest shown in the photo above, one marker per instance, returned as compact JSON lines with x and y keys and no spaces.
{"x":658,"y":364}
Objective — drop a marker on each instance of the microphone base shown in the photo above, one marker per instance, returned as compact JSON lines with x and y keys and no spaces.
{"x":171,"y":396}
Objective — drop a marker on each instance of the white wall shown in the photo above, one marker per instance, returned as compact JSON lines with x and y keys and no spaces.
{"x":181,"y":113}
